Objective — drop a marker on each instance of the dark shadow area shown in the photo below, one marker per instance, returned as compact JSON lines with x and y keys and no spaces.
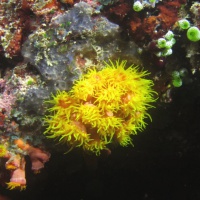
{"x":163,"y":164}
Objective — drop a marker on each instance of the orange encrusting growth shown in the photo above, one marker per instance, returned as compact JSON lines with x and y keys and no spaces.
{"x":37,"y":156}
{"x":102,"y":107}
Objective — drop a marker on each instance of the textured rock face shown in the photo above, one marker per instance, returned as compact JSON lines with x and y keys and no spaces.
{"x":61,"y":51}
{"x":74,"y":41}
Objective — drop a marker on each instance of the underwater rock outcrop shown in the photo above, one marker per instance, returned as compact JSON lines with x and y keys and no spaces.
{"x":72,"y":42}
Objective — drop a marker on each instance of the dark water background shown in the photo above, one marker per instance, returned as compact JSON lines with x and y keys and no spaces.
{"x":163,"y":165}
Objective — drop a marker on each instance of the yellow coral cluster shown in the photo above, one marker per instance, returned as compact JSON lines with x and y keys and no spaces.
{"x":15,"y":185}
{"x":102,"y":107}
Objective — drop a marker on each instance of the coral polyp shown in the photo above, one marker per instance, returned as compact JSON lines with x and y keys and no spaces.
{"x":13,"y":185}
{"x":103,"y":107}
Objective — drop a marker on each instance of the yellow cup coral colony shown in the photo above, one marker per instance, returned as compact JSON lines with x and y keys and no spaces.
{"x":103,"y":107}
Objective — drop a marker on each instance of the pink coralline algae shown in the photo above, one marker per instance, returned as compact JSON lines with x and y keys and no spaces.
{"x":7,"y":99}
